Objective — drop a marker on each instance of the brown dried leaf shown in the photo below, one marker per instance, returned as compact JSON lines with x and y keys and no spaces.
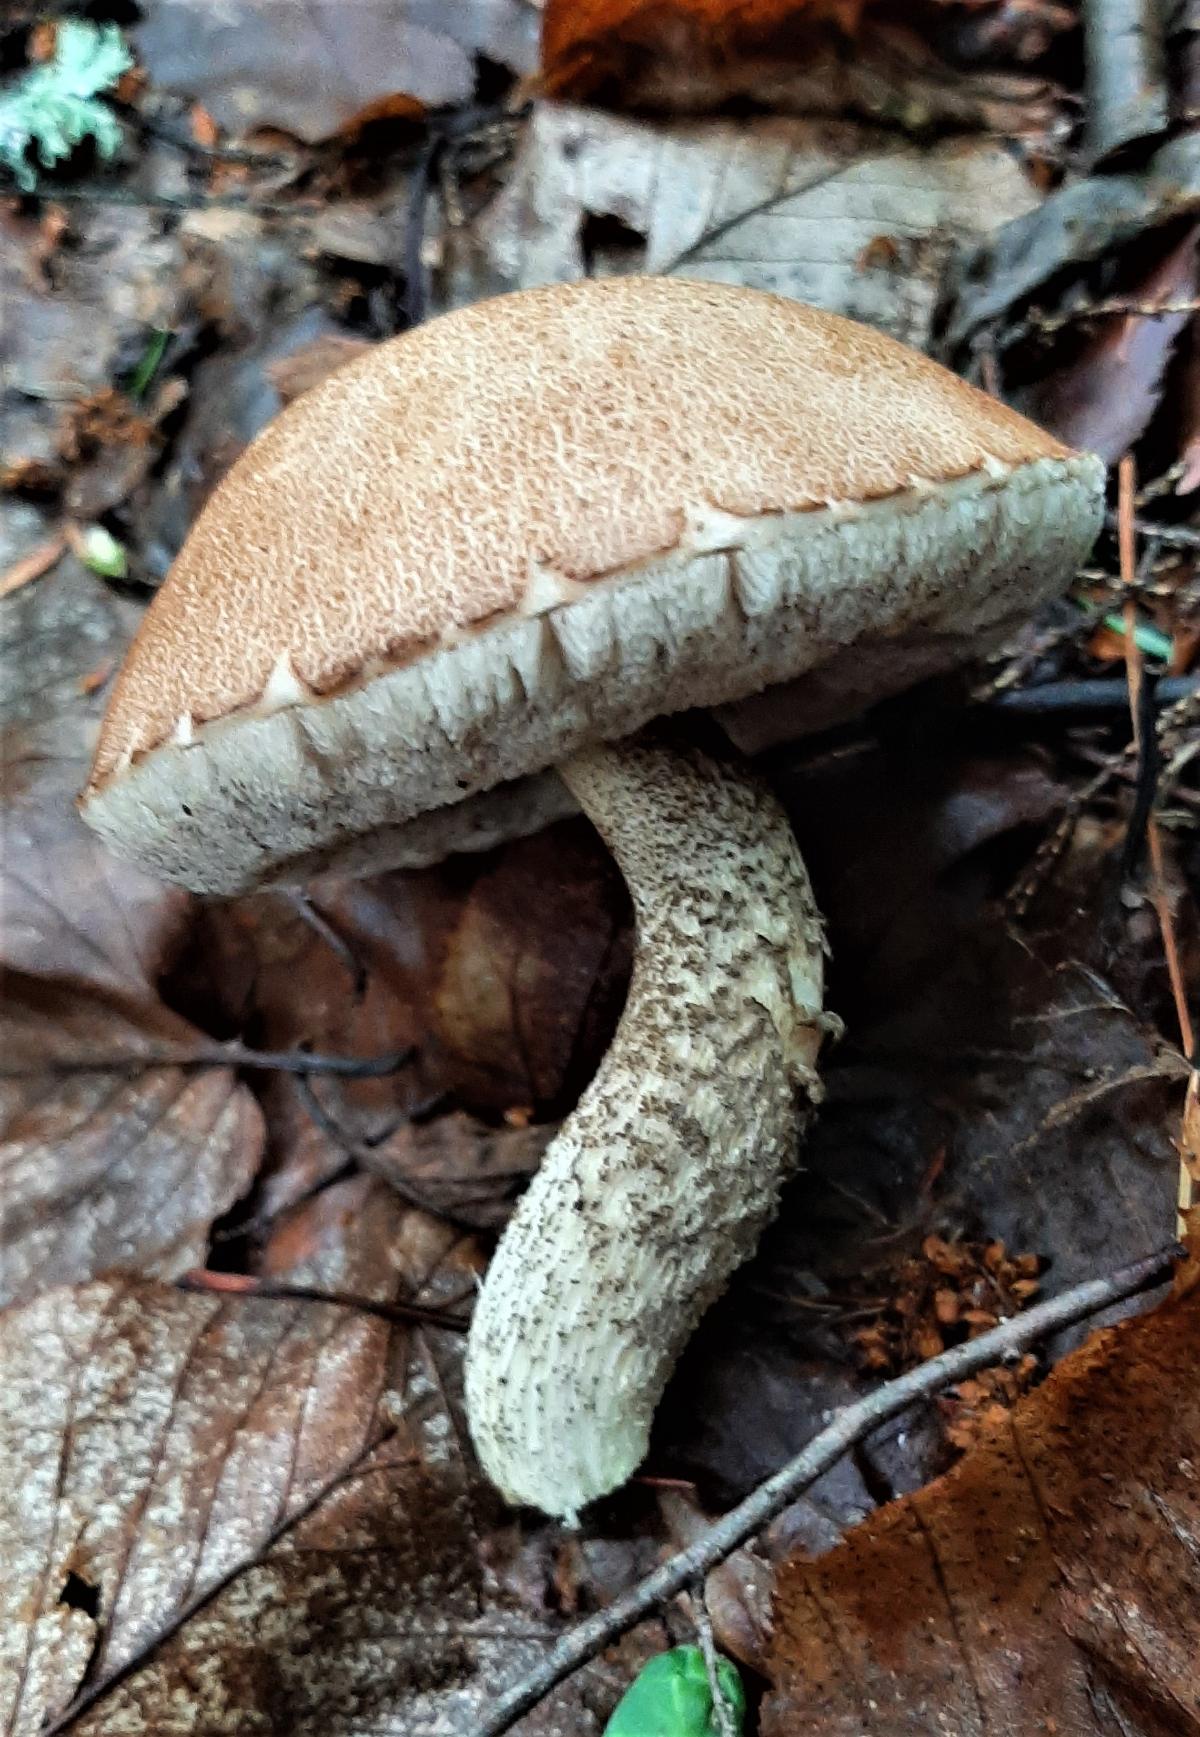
{"x":506,"y":972}
{"x":308,"y":366}
{"x":100,"y":1169}
{"x":463,"y":1167}
{"x":1048,"y":1583}
{"x":804,"y":55}
{"x":1104,"y":399}
{"x":268,"y":1506}
{"x":528,"y":971}
{"x":342,"y":63}
{"x":71,"y":337}
{"x":787,"y":205}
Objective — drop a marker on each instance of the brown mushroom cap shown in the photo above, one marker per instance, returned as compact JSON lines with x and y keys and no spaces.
{"x":543,"y":520}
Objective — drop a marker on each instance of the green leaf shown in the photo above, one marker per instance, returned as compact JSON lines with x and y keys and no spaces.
{"x":101,"y":552}
{"x":671,"y":1698}
{"x":52,"y":108}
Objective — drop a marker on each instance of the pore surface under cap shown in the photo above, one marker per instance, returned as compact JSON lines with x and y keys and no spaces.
{"x":463,"y":505}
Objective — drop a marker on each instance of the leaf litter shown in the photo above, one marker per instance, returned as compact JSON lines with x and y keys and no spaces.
{"x":269,"y":1504}
{"x":1040,"y":1113}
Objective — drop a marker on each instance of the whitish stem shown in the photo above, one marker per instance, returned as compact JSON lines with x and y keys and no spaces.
{"x":658,"y":1185}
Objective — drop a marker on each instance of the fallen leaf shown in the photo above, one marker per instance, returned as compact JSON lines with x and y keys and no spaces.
{"x":503,"y":1010}
{"x":224,"y":1514}
{"x":520,"y":1011}
{"x":463,"y":1167}
{"x":307,"y":366}
{"x":73,"y":338}
{"x":101,"y":1169}
{"x":51,"y":635}
{"x":1081,"y":222}
{"x":1103,"y":400}
{"x":785,"y":205}
{"x":808,"y":56}
{"x":1047,"y":1583}
{"x":342,"y":64}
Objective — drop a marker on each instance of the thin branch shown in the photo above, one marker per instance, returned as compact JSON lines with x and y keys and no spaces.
{"x":183,"y":141}
{"x":365,"y":1155}
{"x":319,"y":923}
{"x":1128,"y":307}
{"x":1181,"y":535}
{"x":396,"y":1313}
{"x":852,"y":1424}
{"x":98,"y":193}
{"x":1098,"y":694}
{"x":722,"y":1711}
{"x":224,"y":1055}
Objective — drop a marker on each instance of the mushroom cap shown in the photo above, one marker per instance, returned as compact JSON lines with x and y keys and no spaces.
{"x":540,"y":521}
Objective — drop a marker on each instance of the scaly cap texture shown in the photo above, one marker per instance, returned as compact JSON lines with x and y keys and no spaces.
{"x":423,"y":555}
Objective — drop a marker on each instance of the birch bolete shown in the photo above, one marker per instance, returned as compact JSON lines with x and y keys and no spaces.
{"x":430,"y":606}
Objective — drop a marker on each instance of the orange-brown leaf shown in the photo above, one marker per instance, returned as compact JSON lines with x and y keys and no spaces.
{"x":1047,"y":1583}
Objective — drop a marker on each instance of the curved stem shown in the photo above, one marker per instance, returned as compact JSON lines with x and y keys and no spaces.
{"x":659,"y":1184}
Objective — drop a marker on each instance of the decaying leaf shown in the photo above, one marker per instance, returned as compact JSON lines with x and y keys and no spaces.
{"x":343,"y":63}
{"x":463,"y":1167}
{"x":840,"y":216}
{"x":71,"y":337}
{"x":823,"y":56}
{"x":1047,"y":1583}
{"x":306,"y":367}
{"x":1078,"y":224}
{"x":262,"y":1512}
{"x":1103,"y":400}
{"x":505,"y":972}
{"x":101,"y":1169}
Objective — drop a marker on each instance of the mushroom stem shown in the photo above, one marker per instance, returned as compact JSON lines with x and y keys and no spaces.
{"x":659,"y":1184}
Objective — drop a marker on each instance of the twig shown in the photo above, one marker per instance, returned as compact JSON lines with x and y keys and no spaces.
{"x":39,"y":560}
{"x":416,"y":298}
{"x":223,"y":1055}
{"x":246,"y":1285}
{"x":192,"y":147}
{"x":1126,"y":83}
{"x":1098,"y":694}
{"x":1126,"y":480}
{"x":95,"y":193}
{"x":320,"y":924}
{"x":1128,"y":306}
{"x":852,"y":1424}
{"x":1181,"y":535}
{"x":365,"y":1155}
{"x":722,"y":1712}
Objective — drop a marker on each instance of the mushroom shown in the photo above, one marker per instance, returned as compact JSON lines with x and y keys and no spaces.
{"x":431,"y":605}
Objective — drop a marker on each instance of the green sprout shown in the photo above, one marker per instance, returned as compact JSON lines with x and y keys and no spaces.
{"x":671,"y":1697}
{"x":54,"y":107}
